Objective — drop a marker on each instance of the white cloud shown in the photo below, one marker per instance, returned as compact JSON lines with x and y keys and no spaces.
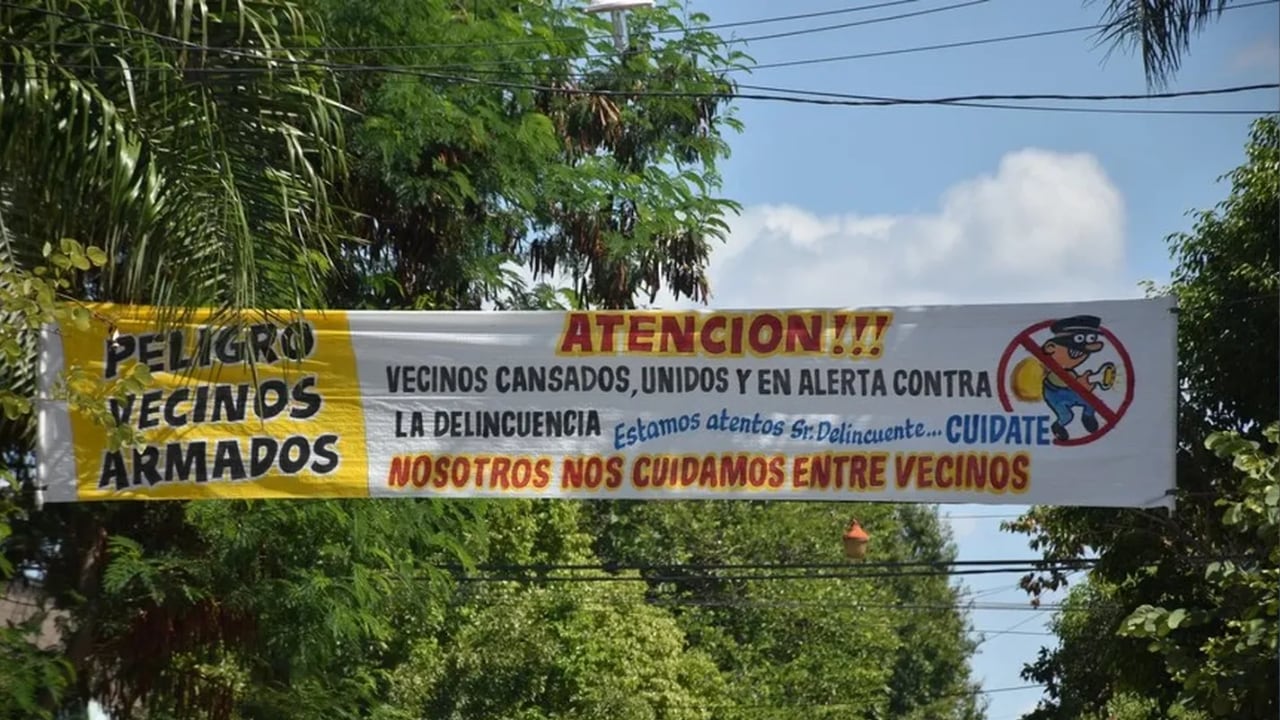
{"x":1262,"y":54}
{"x":1044,"y":226}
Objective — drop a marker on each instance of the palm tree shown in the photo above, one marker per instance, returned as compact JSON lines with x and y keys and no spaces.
{"x":161,"y":134}
{"x":193,"y":147}
{"x":1160,"y":29}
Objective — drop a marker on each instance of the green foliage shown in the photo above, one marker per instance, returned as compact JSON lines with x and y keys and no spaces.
{"x":1157,"y":621}
{"x":204,"y":182}
{"x":1218,"y":651}
{"x":1132,"y":706}
{"x":31,"y":677}
{"x":1227,"y":280}
{"x":575,"y":650}
{"x":458,"y":180}
{"x":808,"y":648}
{"x":204,"y":151}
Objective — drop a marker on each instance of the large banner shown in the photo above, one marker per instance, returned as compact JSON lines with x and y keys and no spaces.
{"x":1067,"y":404}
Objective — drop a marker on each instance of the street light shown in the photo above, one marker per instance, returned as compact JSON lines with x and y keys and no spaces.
{"x":855,"y":541}
{"x":618,"y":10}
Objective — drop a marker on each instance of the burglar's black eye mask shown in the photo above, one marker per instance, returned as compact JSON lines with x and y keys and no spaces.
{"x":1077,"y":340}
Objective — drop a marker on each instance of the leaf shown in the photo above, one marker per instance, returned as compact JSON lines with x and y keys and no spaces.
{"x":1175,"y":618}
{"x":81,"y":317}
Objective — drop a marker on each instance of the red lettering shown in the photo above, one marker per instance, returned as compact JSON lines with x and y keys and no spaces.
{"x":576,"y":337}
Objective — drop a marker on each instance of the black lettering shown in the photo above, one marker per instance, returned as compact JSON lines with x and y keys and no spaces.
{"x":309,"y":400}
{"x":122,"y":412}
{"x":178,"y":467}
{"x":113,"y":471}
{"x":151,"y":349}
{"x":229,"y":407}
{"x":227,"y":460}
{"x":118,"y":350}
{"x":149,"y":411}
{"x":262,"y":454}
{"x":227,"y":348}
{"x":260,"y":339}
{"x":145,"y":462}
{"x":298,"y":340}
{"x":324,"y":452}
{"x":275,"y":387}
{"x":172,"y":417}
{"x":178,"y":359}
{"x":290,"y":465}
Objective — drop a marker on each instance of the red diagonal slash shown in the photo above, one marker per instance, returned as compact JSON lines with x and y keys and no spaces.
{"x":1069,"y":378}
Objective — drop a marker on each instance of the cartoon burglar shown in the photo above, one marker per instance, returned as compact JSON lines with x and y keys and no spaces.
{"x":1074,"y":340}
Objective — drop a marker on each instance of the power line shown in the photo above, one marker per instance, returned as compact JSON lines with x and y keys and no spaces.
{"x":614,"y":567}
{"x":858,"y":23}
{"x":1013,"y":630}
{"x":811,"y":97}
{"x":675,"y":31}
{"x":789,"y":18}
{"x":930,"y":48}
{"x":736,"y":602}
{"x":543,"y":41}
{"x":964,"y":43}
{"x":475,"y":65}
{"x":472,"y":66}
{"x":805,"y":97}
{"x":810,"y":576}
{"x":1029,"y":96}
{"x":850,"y":705}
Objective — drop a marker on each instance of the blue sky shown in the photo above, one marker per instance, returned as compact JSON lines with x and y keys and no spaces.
{"x":909,"y":204}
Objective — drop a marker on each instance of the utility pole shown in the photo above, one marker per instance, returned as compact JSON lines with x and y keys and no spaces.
{"x":618,"y":10}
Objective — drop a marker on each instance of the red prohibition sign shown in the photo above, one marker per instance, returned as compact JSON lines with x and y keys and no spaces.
{"x":1112,"y":417}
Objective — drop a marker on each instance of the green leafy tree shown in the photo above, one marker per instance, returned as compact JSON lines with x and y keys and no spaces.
{"x":1222,"y":651}
{"x":514,"y":135}
{"x":190,"y":173}
{"x":1227,"y":280}
{"x":202,"y":150}
{"x":558,"y":648}
{"x":805,"y":647}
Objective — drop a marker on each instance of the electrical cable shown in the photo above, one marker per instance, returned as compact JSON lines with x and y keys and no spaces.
{"x":842,"y":706}
{"x":1032,"y":96}
{"x":961,"y":43}
{"x":809,"y":97}
{"x":543,"y":41}
{"x":1012,"y":630}
{"x":615,"y":567}
{"x":856,"y":23}
{"x":935,"y":565}
{"x":812,"y":576}
{"x":475,"y":65}
{"x":731,"y":603}
{"x":849,"y":100}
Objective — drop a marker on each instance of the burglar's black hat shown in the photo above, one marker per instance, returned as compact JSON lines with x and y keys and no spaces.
{"x":1066,"y":330}
{"x":1078,"y":323}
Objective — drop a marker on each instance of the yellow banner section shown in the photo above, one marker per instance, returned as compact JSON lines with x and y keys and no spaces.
{"x":247,"y":407}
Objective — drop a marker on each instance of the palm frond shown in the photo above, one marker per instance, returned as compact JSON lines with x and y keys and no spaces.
{"x":1160,"y":29}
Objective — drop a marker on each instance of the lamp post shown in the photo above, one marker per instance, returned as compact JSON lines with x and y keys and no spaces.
{"x":618,"y":9}
{"x":855,"y":541}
